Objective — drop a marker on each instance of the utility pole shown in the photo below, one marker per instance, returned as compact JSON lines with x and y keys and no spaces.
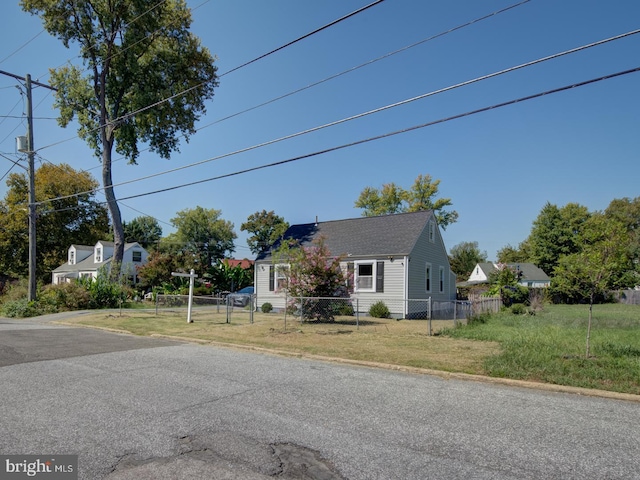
{"x":32,"y":181}
{"x":32,"y":193}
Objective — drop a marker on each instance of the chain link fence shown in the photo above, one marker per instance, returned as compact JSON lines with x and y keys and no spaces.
{"x":241,"y":309}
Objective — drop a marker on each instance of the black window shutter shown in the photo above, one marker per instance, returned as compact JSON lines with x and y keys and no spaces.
{"x":380,"y":277}
{"x":272,"y":279}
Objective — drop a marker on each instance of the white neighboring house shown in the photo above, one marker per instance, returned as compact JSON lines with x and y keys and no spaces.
{"x":85,"y":261}
{"x":528,"y":274}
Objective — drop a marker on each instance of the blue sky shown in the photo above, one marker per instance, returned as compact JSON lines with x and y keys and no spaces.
{"x":499,"y":167}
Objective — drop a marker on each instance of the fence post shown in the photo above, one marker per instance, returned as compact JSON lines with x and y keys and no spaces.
{"x":455,"y":313}
{"x":430,"y":315}
{"x":251,"y":307}
{"x":357,"y":315}
{"x":301,"y":310}
{"x":228,"y":312}
{"x":157,"y":299}
{"x":286,"y":303}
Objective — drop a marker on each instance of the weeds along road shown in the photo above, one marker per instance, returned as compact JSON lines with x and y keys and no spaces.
{"x":136,"y":408}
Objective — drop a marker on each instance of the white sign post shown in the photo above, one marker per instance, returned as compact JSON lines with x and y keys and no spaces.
{"x":192,"y":277}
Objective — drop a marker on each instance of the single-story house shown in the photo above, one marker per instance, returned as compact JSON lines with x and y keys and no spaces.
{"x":85,"y":261}
{"x":528,"y":274}
{"x":394,"y":258}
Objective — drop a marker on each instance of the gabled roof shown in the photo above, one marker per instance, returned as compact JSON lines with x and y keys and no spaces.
{"x":88,"y":264}
{"x":529,"y":271}
{"x":363,"y":236}
{"x":83,"y":247}
{"x":234,"y":262}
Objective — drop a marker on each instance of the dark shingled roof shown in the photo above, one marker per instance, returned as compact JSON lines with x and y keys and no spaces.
{"x":364,"y":236}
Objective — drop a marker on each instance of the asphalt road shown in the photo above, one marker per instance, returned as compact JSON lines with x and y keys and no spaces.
{"x":141,"y":408}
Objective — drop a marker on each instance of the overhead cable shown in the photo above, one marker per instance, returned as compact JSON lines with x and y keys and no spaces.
{"x":389,"y":134}
{"x":379,"y":109}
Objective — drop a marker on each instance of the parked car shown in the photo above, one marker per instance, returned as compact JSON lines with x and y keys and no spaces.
{"x":241,"y":298}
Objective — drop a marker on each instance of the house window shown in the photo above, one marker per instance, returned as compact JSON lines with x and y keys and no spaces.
{"x":441,"y":274}
{"x":432,"y":232}
{"x":136,"y":256}
{"x":278,"y":275}
{"x":364,"y":275}
{"x":428,"y":278}
{"x":98,"y":255}
{"x":72,"y":257}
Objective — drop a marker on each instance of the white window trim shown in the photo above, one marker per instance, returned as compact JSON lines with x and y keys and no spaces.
{"x":98,"y":255}
{"x":428,"y":268}
{"x":133,"y":256}
{"x":277,"y":269}
{"x":356,"y":265}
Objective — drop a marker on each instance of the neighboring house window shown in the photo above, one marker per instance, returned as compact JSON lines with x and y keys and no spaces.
{"x":432,"y":232}
{"x":136,"y":256}
{"x":428,"y":278}
{"x":72,"y":257}
{"x":441,"y":279}
{"x":98,"y":255}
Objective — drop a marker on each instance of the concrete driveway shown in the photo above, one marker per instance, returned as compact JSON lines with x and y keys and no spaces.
{"x":136,"y":408}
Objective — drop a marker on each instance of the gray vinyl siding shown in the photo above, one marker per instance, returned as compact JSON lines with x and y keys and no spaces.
{"x":393,"y":294}
{"x":434,"y":253}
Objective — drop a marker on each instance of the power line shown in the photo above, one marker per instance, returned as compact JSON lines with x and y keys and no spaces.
{"x":317,"y":30}
{"x":380,"y":109}
{"x":22,"y":46}
{"x":179,"y":94}
{"x":352,"y":69}
{"x":390,"y":134}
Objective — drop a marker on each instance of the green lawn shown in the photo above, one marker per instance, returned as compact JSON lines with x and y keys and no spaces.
{"x":551,"y":346}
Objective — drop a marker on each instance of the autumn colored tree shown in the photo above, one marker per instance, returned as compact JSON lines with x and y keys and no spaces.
{"x":145,"y":79}
{"x":63,"y":219}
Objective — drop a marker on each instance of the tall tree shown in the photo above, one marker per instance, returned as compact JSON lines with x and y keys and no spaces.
{"x":148,"y":78}
{"x":394,"y":199}
{"x":203,"y":234}
{"x":145,"y":230}
{"x":266,"y":228}
{"x":66,"y":220}
{"x":556,"y":232}
{"x":626,"y":211}
{"x":464,"y":256}
{"x":511,"y":254}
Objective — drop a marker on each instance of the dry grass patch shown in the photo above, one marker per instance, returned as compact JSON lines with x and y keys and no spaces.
{"x":403,"y":343}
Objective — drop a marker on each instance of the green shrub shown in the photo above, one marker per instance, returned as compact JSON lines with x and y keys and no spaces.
{"x":266,"y":307}
{"x":518,"y":309}
{"x":67,"y":296}
{"x":379,"y":310}
{"x":346,"y":309}
{"x":23,"y":308}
